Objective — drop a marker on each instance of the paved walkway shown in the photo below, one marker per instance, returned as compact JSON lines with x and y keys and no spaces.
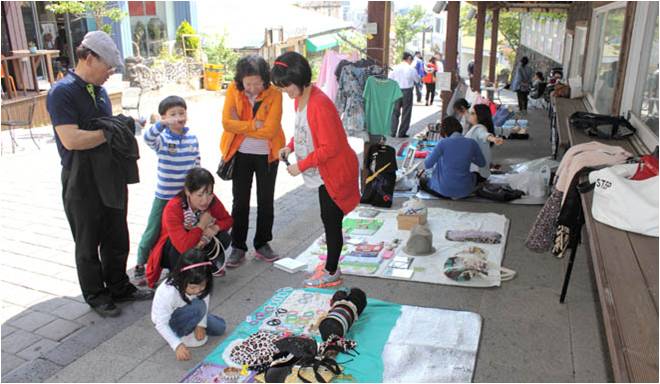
{"x":49,"y":334}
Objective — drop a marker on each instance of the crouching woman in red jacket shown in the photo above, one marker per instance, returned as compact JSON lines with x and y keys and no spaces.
{"x":194,"y":218}
{"x":325,"y":159}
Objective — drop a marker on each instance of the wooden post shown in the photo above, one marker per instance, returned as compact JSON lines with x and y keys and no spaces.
{"x":451,"y":50}
{"x":475,"y":82}
{"x":378,"y":48}
{"x":493,"y":45}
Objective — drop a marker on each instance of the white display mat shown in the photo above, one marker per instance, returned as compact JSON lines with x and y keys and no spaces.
{"x":429,"y":269}
{"x":445,"y":352}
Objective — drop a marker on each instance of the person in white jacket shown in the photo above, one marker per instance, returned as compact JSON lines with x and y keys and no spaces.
{"x":180,"y":310}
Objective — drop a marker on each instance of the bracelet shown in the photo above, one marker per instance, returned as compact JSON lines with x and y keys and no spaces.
{"x":231,"y":373}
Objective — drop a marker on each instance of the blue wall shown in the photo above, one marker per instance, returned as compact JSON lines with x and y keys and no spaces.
{"x":185,"y":10}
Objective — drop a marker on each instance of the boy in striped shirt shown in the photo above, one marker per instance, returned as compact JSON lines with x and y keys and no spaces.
{"x":178,"y":153}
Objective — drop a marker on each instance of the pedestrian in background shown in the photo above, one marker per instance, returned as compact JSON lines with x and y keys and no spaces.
{"x":418,"y":63}
{"x":406,"y":76}
{"x":522,"y":82}
{"x":429,"y":79}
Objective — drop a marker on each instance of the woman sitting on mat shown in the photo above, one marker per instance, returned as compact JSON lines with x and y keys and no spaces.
{"x":324,"y":157}
{"x":195,"y":218}
{"x":483,"y":132}
{"x":451,"y":158}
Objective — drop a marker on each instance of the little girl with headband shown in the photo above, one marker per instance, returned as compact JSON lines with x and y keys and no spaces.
{"x":180,"y":310}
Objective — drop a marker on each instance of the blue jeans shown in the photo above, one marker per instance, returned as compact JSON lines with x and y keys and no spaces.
{"x":185,"y":319}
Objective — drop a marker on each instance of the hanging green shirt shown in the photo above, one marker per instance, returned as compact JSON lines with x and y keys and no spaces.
{"x":379,"y":98}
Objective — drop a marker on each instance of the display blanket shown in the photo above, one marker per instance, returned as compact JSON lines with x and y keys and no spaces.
{"x":427,"y":269}
{"x":525,"y":200}
{"x":395,"y":343}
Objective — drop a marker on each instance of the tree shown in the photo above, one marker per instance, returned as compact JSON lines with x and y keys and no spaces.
{"x":407,"y":26}
{"x":509,"y":26}
{"x":99,"y":10}
{"x":217,"y":52}
{"x":191,"y":42}
{"x":351,"y":40}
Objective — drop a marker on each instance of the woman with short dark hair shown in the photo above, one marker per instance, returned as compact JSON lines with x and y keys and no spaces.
{"x":325,"y":160}
{"x":450,"y":160}
{"x":252,"y":136}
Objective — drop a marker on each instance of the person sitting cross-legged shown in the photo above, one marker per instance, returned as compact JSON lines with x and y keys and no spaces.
{"x":450,"y":160}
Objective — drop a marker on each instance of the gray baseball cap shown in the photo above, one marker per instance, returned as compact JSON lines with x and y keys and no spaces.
{"x":103,"y":45}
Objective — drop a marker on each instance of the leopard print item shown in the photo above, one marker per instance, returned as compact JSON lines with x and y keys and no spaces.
{"x":256,"y":351}
{"x":541,"y":236}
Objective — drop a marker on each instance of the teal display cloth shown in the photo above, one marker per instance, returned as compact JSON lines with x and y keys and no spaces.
{"x":371,"y":332}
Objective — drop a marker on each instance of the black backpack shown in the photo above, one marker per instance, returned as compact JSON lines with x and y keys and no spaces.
{"x":381,"y":177}
{"x":602,"y":126}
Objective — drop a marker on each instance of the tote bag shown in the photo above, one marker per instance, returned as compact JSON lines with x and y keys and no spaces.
{"x":631,"y":205}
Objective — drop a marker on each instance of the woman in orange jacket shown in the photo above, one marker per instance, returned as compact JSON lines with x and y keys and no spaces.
{"x":253,"y":134}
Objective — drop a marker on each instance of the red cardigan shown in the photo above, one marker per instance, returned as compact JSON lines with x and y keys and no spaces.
{"x":182,"y":239}
{"x":336,"y":161}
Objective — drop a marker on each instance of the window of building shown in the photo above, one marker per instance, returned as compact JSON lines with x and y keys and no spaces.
{"x":640,"y":91}
{"x":645,"y":102}
{"x":148,"y":26}
{"x":605,"y":50}
{"x":577,"y":54}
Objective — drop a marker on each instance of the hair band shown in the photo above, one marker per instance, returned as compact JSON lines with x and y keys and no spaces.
{"x":191,"y":266}
{"x":281,"y":64}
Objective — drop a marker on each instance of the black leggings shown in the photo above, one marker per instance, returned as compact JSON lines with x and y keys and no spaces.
{"x":332,"y":217}
{"x":430,"y":92}
{"x":522,"y":100}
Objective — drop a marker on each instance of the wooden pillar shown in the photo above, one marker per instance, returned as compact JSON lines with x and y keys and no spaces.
{"x":378,"y":48}
{"x":475,"y":82}
{"x":451,"y":50}
{"x":493,"y":45}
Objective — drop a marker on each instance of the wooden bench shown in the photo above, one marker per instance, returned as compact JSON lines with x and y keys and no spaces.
{"x":626,"y":273}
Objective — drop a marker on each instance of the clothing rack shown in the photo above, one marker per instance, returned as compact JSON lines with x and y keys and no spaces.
{"x":363,"y":51}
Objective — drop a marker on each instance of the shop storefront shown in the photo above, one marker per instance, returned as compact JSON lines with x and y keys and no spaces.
{"x":150,"y":26}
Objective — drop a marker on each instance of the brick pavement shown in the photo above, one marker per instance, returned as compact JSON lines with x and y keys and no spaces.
{"x":45,"y":323}
{"x":48,"y":334}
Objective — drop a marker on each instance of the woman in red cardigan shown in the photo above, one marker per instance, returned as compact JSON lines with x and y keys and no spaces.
{"x":325,"y":159}
{"x":192,"y":219}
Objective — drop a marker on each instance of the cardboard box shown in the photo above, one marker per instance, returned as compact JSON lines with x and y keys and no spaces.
{"x":407,"y":222}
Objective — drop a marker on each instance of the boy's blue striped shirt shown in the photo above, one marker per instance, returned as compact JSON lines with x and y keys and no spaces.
{"x":177,"y":154}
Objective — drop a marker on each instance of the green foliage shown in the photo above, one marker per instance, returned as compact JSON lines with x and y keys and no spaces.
{"x":406,"y":27}
{"x":217,"y":52}
{"x":509,"y":26}
{"x":356,"y":40}
{"x":96,"y":9}
{"x":540,"y":16}
{"x":191,"y":42}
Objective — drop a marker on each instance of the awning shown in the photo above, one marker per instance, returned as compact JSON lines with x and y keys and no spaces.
{"x":321,"y":43}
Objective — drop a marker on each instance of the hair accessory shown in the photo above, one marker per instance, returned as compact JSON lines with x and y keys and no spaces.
{"x":281,"y":64}
{"x":191,"y":266}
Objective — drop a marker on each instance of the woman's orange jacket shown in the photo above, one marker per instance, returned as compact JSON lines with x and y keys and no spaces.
{"x":235,"y":131}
